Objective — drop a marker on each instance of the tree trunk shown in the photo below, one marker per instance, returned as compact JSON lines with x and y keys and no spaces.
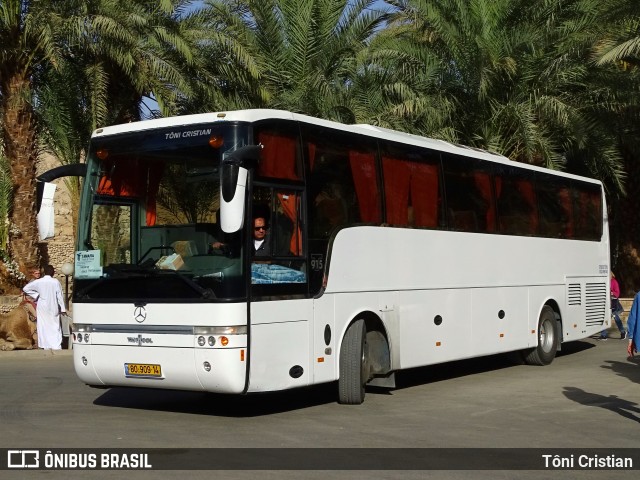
{"x":19,"y":136}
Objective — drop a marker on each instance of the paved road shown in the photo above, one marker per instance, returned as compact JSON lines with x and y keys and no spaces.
{"x":587,"y":398}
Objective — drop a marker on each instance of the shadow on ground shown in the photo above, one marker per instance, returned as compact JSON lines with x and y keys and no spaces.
{"x":301,"y":398}
{"x":461,"y":368}
{"x":219,"y":405}
{"x":628,"y":369}
{"x":612,"y":403}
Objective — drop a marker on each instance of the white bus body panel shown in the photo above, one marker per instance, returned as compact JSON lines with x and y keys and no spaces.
{"x":115,"y":343}
{"x":488,"y":290}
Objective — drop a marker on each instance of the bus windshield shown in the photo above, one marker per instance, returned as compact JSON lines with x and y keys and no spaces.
{"x":149,"y":224}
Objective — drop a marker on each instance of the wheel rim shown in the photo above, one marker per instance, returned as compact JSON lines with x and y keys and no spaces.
{"x":547,"y":336}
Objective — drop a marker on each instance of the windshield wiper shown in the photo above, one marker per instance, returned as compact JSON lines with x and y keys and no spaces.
{"x":115,"y":273}
{"x":204,"y":292}
{"x":139,"y":271}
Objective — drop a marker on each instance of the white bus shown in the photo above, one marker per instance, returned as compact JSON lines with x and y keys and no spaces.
{"x":386,"y":251}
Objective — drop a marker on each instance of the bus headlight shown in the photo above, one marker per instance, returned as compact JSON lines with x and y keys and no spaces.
{"x":201,"y":341}
{"x":217,"y":331}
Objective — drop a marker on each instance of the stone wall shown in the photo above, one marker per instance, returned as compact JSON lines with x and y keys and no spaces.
{"x":60,"y":248}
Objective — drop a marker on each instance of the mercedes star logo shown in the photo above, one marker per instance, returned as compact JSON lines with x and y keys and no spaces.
{"x":140,"y":314}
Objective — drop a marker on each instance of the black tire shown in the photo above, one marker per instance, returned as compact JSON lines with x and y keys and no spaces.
{"x":354,"y":370}
{"x":545,"y":352}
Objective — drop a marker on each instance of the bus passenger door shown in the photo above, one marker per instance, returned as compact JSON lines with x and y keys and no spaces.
{"x":281,"y":310}
{"x":279,"y":344}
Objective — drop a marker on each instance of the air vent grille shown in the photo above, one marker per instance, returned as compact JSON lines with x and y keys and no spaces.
{"x":596,"y":303}
{"x":574,"y":295}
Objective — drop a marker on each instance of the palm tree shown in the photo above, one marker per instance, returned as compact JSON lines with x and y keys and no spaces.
{"x":617,"y":45}
{"x":519,"y":78}
{"x":121,"y":50}
{"x":619,"y":36}
{"x":298,"y":55}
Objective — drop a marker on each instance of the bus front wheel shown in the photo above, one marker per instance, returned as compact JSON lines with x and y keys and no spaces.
{"x":354,"y":370}
{"x":545,"y":352}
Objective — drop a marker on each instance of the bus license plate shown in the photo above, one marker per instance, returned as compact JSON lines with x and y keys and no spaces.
{"x":142,"y":370}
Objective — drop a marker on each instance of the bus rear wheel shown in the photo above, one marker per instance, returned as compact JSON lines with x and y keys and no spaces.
{"x":354,"y":370}
{"x":545,"y":352}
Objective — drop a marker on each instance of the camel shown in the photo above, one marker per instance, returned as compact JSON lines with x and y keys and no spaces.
{"x":18,"y":328}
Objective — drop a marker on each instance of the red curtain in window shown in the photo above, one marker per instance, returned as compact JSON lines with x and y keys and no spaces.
{"x":565,"y":202}
{"x":497,"y":182}
{"x":585,"y":201}
{"x":134,"y":180}
{"x":397,"y":181}
{"x":483,"y":184}
{"x":290,"y":203}
{"x":278,"y":157}
{"x":402,"y":178}
{"x":363,"y":169}
{"x":312,"y":154}
{"x":153,"y":185}
{"x":123,"y":179}
{"x":526,"y":189}
{"x":424,"y":194}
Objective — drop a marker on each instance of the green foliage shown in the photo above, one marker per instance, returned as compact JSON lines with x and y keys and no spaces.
{"x":182,"y":199}
{"x":301,"y":56}
{"x":552,"y":83}
{"x":519,"y":78}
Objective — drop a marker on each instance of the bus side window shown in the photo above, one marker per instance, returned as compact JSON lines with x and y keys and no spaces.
{"x":556,"y":214}
{"x":469,"y":194}
{"x":516,"y":199}
{"x":587,"y":207}
{"x":280,"y":156}
{"x":342,"y":179}
{"x":282,"y":260}
{"x":412,"y":186}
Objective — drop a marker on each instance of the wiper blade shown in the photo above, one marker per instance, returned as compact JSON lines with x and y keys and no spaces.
{"x":83,"y":293}
{"x":116,"y":273}
{"x":138,"y":271}
{"x":204,"y":292}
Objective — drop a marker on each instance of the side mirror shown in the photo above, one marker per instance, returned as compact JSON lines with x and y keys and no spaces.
{"x":45,"y":191}
{"x":233,"y":185}
{"x":70,"y":170}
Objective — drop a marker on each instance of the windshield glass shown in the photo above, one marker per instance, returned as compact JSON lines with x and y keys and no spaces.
{"x":149,"y":222}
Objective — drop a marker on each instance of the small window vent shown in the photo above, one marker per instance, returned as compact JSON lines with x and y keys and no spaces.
{"x":574,"y":294}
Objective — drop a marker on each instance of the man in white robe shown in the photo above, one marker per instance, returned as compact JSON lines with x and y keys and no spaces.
{"x":48,"y":293}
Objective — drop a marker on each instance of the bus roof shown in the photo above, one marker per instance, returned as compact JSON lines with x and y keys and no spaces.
{"x":253,"y":115}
